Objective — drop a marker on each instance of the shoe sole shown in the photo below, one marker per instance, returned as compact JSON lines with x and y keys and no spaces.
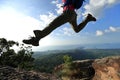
{"x":30,"y":43}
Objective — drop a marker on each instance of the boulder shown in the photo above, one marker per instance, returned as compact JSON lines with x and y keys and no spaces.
{"x":107,"y":68}
{"x":9,"y":73}
{"x":81,"y":70}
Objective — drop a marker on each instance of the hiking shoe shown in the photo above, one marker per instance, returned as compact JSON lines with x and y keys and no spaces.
{"x":38,"y":34}
{"x":91,"y":18}
{"x":32,"y":41}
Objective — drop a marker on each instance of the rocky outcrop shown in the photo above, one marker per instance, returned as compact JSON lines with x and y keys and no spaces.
{"x":9,"y":73}
{"x":107,"y":68}
{"x":82,"y":70}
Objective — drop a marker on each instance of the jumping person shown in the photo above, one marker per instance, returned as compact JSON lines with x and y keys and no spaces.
{"x":68,"y":15}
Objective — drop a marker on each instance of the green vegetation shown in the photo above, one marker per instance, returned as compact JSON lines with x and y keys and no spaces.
{"x":67,"y":66}
{"x":47,"y":61}
{"x":8,"y":57}
{"x":67,"y":62}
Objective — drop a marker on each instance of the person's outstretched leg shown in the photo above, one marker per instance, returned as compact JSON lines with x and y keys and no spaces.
{"x":60,"y":20}
{"x":79,"y":27}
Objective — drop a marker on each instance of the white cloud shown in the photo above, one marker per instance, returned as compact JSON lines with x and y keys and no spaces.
{"x":68,"y":31}
{"x":112,"y":1}
{"x":59,"y":9}
{"x":99,"y":33}
{"x":46,"y":19}
{"x":96,"y":7}
{"x":110,"y":29}
{"x":54,"y":2}
{"x":14,"y":25}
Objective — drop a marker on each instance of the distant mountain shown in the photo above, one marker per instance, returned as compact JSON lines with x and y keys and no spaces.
{"x":78,"y":51}
{"x":83,"y":46}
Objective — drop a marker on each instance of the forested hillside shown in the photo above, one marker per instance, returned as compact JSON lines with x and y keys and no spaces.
{"x":49,"y":59}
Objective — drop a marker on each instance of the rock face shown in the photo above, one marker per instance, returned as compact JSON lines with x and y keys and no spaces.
{"x":107,"y":68}
{"x":82,"y":70}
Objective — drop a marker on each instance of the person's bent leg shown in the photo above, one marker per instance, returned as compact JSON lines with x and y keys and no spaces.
{"x":82,"y":24}
{"x":73,"y":23}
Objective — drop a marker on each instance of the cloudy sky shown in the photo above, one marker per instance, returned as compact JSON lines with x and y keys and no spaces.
{"x":18,"y":18}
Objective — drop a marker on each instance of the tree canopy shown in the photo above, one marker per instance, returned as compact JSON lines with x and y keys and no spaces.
{"x":22,"y":58}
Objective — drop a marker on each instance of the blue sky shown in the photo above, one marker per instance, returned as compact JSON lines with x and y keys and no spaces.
{"x":18,"y":18}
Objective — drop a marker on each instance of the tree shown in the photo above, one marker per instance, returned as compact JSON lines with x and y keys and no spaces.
{"x":22,"y":59}
{"x":7,"y":54}
{"x":65,"y":69}
{"x":67,"y":61}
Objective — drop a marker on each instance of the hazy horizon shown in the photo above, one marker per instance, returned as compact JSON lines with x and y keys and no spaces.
{"x":80,"y":46}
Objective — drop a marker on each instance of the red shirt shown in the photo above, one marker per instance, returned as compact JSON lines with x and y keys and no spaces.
{"x":68,"y":7}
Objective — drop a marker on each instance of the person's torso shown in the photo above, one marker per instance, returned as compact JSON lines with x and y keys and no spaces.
{"x":68,"y":7}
